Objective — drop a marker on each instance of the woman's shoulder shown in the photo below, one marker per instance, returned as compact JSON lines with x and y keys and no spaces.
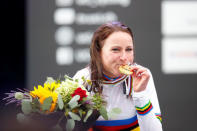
{"x":85,"y":72}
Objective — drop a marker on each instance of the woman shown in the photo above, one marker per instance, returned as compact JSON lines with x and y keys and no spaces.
{"x":112,"y":46}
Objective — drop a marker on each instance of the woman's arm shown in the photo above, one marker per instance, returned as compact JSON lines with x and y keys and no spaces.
{"x":147,"y":106}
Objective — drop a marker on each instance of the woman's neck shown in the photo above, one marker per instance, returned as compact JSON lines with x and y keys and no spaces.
{"x":110,"y":75}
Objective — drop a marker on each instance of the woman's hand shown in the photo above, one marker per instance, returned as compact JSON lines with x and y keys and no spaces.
{"x":140,"y":78}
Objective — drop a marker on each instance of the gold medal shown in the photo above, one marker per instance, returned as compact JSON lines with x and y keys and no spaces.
{"x":125,"y":69}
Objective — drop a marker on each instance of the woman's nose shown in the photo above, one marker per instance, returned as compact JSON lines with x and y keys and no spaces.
{"x":123,"y":56}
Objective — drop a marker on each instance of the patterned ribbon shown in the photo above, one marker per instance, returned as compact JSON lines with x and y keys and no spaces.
{"x":127,"y":83}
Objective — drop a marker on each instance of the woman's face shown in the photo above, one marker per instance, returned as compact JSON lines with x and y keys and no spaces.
{"x":117,"y":50}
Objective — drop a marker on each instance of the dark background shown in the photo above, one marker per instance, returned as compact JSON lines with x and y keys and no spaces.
{"x":13,"y":35}
{"x":12,"y":54}
{"x":177,"y":93}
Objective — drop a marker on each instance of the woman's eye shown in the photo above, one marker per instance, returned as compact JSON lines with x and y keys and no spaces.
{"x":115,"y":49}
{"x":129,"y":49}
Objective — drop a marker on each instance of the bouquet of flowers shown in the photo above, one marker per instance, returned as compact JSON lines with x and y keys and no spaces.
{"x":69,"y":98}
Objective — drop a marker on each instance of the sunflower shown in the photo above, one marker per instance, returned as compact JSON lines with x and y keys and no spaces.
{"x":44,"y":92}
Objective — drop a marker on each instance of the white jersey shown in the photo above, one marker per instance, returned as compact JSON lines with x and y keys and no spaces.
{"x":140,"y":111}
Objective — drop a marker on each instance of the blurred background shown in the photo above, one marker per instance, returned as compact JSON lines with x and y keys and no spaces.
{"x":41,"y":38}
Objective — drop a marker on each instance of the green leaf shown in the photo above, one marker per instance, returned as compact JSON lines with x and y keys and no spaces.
{"x":67,"y":77}
{"x":83,"y":78}
{"x":73,"y":102}
{"x":30,"y":98}
{"x":73,"y":105}
{"x":49,"y":80}
{"x":26,"y":106}
{"x":74,"y":116}
{"x":60,"y":102}
{"x":113,"y":113}
{"x":110,"y":114}
{"x":103,"y":112}
{"x":47,"y":104}
{"x":75,"y":98}
{"x":70,"y":125}
{"x":89,"y":82}
{"x":20,"y":117}
{"x":19,"y":95}
{"x":35,"y":105}
{"x":80,"y":112}
{"x":116,"y":110}
{"x":89,"y":113}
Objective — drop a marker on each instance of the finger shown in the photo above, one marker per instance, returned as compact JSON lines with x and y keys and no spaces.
{"x":138,"y":69}
{"x":134,"y":68}
{"x":141,"y":71}
{"x":145,"y":75}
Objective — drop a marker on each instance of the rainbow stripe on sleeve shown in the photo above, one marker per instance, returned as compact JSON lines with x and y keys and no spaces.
{"x":158,"y":115}
{"x":145,"y":109}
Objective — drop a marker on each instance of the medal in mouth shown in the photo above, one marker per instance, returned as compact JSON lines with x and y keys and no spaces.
{"x":125,"y":69}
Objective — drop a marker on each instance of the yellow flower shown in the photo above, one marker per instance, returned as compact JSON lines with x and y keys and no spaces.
{"x":44,"y":92}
